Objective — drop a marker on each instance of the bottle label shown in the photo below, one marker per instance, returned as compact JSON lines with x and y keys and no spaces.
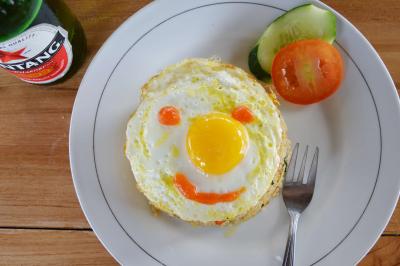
{"x":41,"y":54}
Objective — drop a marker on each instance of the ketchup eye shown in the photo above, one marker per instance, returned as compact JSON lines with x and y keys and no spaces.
{"x":169,"y":116}
{"x":243,"y":114}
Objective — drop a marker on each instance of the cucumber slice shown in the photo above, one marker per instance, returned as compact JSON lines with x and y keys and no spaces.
{"x":303,"y":22}
{"x":255,"y":67}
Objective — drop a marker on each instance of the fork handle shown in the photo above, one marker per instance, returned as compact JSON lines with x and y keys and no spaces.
{"x":288,"y":259}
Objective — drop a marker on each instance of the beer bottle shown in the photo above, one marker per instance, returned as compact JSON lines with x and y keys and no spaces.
{"x":41,"y":41}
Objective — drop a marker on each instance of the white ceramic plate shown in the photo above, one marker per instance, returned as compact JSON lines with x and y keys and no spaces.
{"x":357,"y":131}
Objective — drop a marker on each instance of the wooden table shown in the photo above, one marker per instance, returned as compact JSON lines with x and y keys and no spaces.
{"x":41,"y":221}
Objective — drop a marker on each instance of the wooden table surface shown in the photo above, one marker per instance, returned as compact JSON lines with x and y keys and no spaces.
{"x":41,"y":221}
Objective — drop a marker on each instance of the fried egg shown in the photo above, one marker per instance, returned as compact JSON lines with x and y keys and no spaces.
{"x":206,"y":142}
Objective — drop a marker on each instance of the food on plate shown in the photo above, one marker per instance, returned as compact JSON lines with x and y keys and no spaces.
{"x":296,"y":50}
{"x":303,"y":22}
{"x":207,"y":143}
{"x":307,"y":71}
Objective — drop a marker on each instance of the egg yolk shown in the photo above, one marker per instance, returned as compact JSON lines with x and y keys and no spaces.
{"x":216,"y":143}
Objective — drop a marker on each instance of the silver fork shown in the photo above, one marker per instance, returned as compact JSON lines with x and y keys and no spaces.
{"x":297,"y":195}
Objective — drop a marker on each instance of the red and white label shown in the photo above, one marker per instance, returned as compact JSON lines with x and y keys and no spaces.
{"x":42,"y":54}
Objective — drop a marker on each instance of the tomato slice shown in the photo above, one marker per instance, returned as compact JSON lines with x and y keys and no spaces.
{"x":307,"y":71}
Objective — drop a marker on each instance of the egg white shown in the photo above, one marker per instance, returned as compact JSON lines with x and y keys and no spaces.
{"x":156,"y":152}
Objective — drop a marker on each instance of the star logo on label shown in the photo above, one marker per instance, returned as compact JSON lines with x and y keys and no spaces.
{"x":11,"y":56}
